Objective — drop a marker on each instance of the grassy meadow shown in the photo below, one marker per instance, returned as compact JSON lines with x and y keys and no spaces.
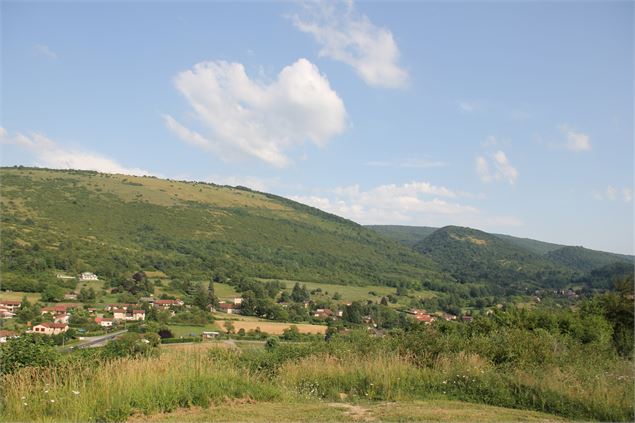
{"x":351,"y":378}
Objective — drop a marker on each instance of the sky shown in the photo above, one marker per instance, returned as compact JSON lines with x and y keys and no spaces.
{"x":510,"y":117}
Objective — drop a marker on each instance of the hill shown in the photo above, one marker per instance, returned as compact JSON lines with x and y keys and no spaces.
{"x":583,"y":259}
{"x":74,"y":221}
{"x":470,"y":255}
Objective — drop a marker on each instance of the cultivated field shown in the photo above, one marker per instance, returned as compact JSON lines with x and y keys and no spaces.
{"x":273,"y":328}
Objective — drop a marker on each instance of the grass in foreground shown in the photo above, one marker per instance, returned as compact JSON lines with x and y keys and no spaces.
{"x":433,"y":410}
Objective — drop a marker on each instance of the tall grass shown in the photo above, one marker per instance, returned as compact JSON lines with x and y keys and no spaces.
{"x":119,"y":388}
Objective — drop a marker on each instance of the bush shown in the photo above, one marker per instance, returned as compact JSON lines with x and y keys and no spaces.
{"x":27,"y":350}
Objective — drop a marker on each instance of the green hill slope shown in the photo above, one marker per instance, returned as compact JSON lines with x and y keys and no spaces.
{"x":585,"y":260}
{"x":475,"y":256}
{"x":113,"y":224}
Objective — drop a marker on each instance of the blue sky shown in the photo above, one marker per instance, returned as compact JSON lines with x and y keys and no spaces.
{"x":510,"y":117}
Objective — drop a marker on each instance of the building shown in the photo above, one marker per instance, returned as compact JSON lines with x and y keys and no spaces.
{"x":6,"y":334}
{"x":62,"y":318}
{"x":229,"y":308}
{"x":111,"y":307}
{"x":88,"y":276}
{"x":11,"y":305}
{"x":323,"y":313}
{"x":70,"y":296}
{"x":237,"y":301}
{"x":48,"y":328}
{"x":5,"y":313}
{"x":165,"y":304}
{"x":55,"y":310}
{"x":104,"y":322}
{"x":210,"y":335}
{"x":122,"y":314}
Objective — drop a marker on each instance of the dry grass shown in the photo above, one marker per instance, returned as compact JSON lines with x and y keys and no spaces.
{"x":274,"y":328}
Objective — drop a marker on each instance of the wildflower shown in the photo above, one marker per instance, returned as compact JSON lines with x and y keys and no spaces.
{"x":46,"y":391}
{"x":444,"y":392}
{"x":23,"y":398}
{"x":445,"y":381}
{"x":76,"y":392}
{"x":52,"y":400}
{"x":25,"y":403}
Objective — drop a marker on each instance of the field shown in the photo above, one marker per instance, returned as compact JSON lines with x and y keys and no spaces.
{"x":17,"y":295}
{"x":273,"y":328}
{"x":191,"y":330}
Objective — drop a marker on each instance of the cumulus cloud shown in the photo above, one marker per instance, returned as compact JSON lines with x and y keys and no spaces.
{"x":497,"y":168}
{"x":50,"y":154}
{"x":576,"y":141}
{"x":468,"y":106}
{"x":243,"y":116}
{"x":413,"y":203}
{"x":44,"y":50}
{"x":349,"y":37}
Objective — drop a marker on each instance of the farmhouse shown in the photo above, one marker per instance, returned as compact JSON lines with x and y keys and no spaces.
{"x":55,"y":310}
{"x":111,"y":307}
{"x":10,"y":305}
{"x":5,"y":313}
{"x":229,"y":308}
{"x":6,"y":334}
{"x":88,"y":276}
{"x":122,"y":314}
{"x":323,"y":313}
{"x":47,"y":328}
{"x":104,"y":322}
{"x":165,"y":304}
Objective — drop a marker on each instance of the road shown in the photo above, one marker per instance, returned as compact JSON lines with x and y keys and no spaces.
{"x":94,"y":341}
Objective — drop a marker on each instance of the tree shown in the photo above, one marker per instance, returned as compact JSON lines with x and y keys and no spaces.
{"x":201,"y":298}
{"x":300,"y":293}
{"x":52,"y":293}
{"x":27,"y":350}
{"x":384,"y":301}
{"x":211,"y":294}
{"x":229,"y":327}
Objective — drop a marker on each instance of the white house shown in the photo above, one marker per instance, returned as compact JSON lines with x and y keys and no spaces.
{"x":122,"y":314}
{"x":11,"y":305}
{"x":88,"y":276}
{"x":48,"y":328}
{"x":104,"y":322}
{"x":62,"y":318}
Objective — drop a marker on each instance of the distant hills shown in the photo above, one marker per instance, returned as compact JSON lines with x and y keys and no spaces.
{"x":73,"y":221}
{"x":470,"y":255}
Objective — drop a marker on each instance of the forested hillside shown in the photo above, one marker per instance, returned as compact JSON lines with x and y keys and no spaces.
{"x":73,"y":221}
{"x":470,"y":255}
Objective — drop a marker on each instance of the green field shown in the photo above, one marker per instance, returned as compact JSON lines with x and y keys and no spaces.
{"x":192,"y":330}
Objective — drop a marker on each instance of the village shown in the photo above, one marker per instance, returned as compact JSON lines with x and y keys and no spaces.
{"x":73,"y":322}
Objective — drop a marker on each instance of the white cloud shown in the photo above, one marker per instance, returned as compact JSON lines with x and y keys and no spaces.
{"x":49,"y":154}
{"x":45,"y":51}
{"x":413,"y":203}
{"x":611,"y":193}
{"x":248,"y":117}
{"x":498,"y":168}
{"x":346,"y":36}
{"x":576,"y":141}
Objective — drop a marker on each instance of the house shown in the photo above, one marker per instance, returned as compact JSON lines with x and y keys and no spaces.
{"x":237,"y":301}
{"x":11,"y":305}
{"x":229,"y":308}
{"x":111,"y":307}
{"x":62,"y":276}
{"x":70,"y":296}
{"x":122,"y":314}
{"x":6,"y":334}
{"x":88,"y":276}
{"x":466,"y":318}
{"x":55,"y":310}
{"x":48,"y":328}
{"x":449,"y":317}
{"x":165,"y":304}
{"x":104,"y":322}
{"x":323,"y":313}
{"x":425,"y":318}
{"x":210,"y":335}
{"x":146,"y":300}
{"x":417,"y":312}
{"x":5,"y":313}
{"x":62,"y":318}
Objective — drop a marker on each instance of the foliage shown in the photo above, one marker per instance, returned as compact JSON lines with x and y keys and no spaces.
{"x":27,"y":350}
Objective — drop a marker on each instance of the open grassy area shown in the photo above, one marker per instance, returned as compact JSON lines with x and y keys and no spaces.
{"x":192,"y":330}
{"x":17,"y":295}
{"x":274,"y":328}
{"x":433,"y":410}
